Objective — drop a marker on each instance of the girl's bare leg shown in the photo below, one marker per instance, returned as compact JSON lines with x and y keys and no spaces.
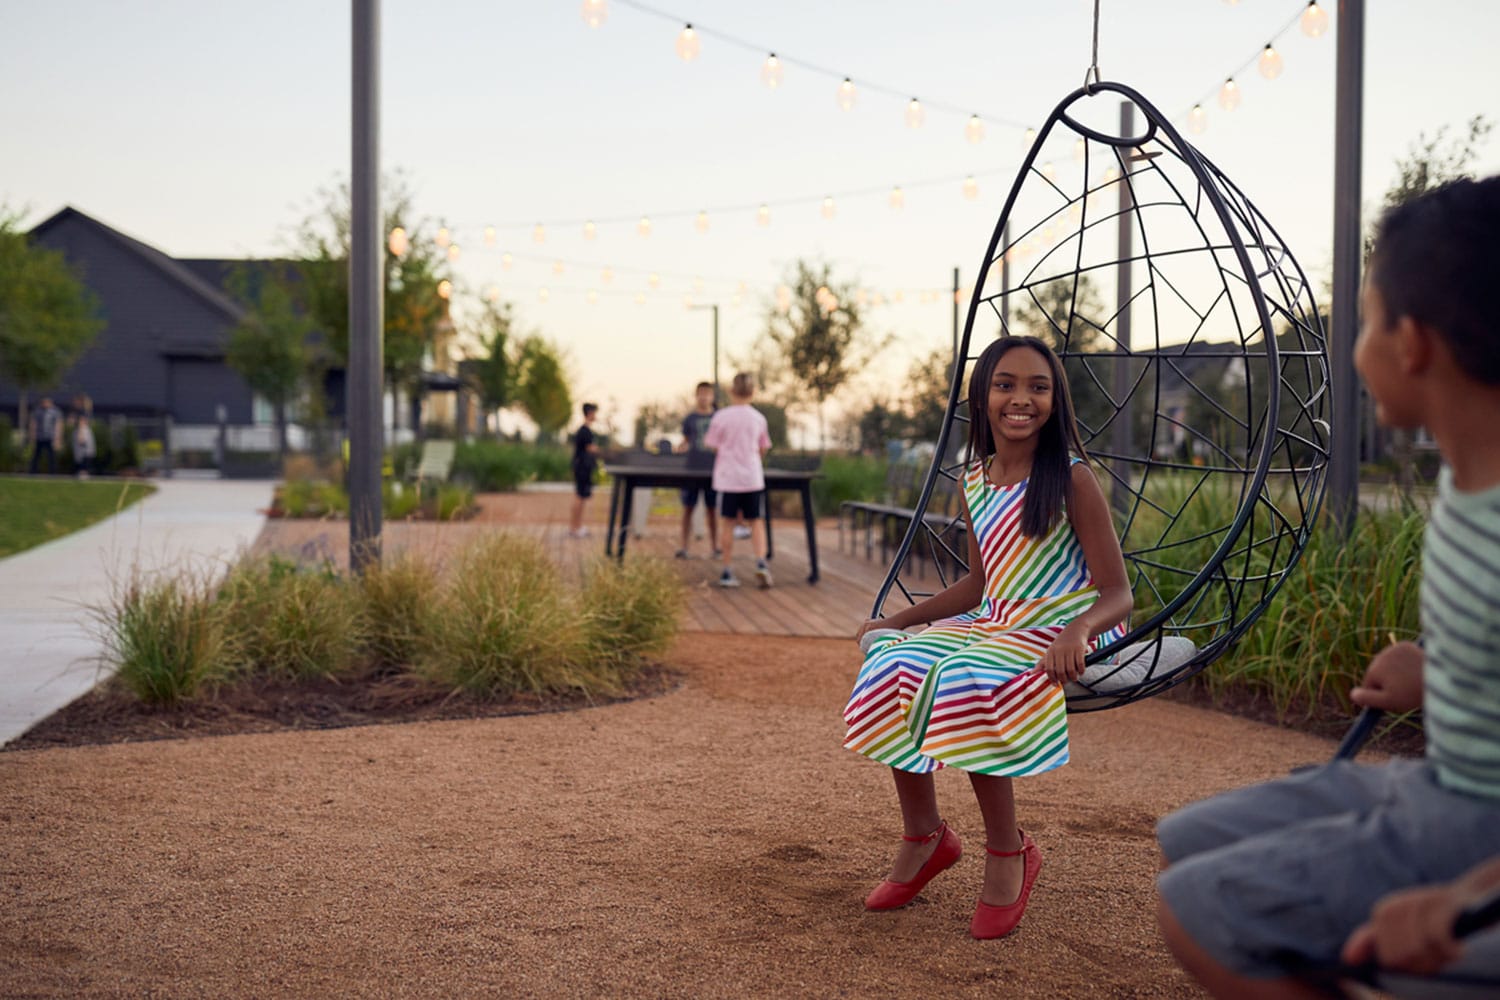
{"x":997,"y":803}
{"x":919,"y":817}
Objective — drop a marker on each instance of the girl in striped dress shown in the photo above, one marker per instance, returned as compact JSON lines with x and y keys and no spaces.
{"x":981,"y":689}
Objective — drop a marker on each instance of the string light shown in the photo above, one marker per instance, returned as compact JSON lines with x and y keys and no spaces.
{"x":607,"y":275}
{"x":539,"y":233}
{"x":915,"y":115}
{"x":847,"y":95}
{"x":654,"y":280}
{"x":640,"y":298}
{"x":701,"y":222}
{"x":1198,"y":119}
{"x":453,"y":252}
{"x":974,"y":130}
{"x":763,"y":214}
{"x":542,"y":294}
{"x":1028,"y":139}
{"x":444,"y":288}
{"x":1314,"y":20}
{"x":897,"y":198}
{"x":772,"y":72}
{"x":829,"y":210}
{"x":593,"y":297}
{"x":557,"y":267}
{"x":644,"y":226}
{"x":1229,"y":95}
{"x":398,"y":242}
{"x":898,"y":296}
{"x":971,"y":188}
{"x":442,"y":239}
{"x":783,"y":299}
{"x":506,"y":260}
{"x":1079,"y":148}
{"x":492,"y":293}
{"x":687,"y":302}
{"x":1049,"y":171}
{"x":595,"y":12}
{"x":1270,"y":63}
{"x":688,"y":44}
{"x":590,"y":230}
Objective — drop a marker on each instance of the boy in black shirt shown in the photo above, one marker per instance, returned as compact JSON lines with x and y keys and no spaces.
{"x":699,"y":459}
{"x":585,"y":458}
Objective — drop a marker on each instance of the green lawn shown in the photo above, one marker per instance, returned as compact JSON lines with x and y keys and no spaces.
{"x":33,"y":511}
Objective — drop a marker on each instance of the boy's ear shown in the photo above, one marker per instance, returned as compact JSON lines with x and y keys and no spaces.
{"x":1416,"y":344}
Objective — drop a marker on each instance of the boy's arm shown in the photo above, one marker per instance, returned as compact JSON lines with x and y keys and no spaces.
{"x":1393,"y":680}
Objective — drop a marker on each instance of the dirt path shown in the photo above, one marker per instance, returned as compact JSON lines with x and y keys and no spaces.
{"x":715,"y":841}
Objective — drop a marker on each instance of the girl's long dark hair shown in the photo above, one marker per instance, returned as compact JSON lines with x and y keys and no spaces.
{"x":1051,"y":478}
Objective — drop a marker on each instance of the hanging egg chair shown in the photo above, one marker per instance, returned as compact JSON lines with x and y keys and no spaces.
{"x":1199,"y":372}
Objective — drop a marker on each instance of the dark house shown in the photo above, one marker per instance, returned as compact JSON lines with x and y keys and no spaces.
{"x":161,"y":350}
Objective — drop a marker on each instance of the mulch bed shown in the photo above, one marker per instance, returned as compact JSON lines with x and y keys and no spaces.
{"x":1403,"y":738}
{"x":111,"y":714}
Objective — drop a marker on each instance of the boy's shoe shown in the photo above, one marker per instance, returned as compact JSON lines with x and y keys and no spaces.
{"x":727,"y":579}
{"x":741,"y":531}
{"x":682,"y":554}
{"x":718,"y":554}
{"x":580,"y":533}
{"x":763,"y":574}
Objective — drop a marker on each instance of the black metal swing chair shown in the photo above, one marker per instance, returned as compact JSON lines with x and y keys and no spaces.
{"x":1202,"y":395}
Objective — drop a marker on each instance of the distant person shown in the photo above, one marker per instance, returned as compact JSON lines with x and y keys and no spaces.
{"x":585,"y":461}
{"x":84,"y":449}
{"x":700,"y":458}
{"x":46,"y":434}
{"x":740,"y":439}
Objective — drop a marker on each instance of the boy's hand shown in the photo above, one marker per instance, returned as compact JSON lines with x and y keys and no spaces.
{"x":1063,"y":660}
{"x":1411,"y":930}
{"x":1393,"y":681}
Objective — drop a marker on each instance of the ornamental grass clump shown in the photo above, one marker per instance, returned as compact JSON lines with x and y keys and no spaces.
{"x":166,"y":638}
{"x":293,"y":622}
{"x":398,"y":604}
{"x":631,"y":612}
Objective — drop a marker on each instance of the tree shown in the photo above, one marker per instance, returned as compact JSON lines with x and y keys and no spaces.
{"x":926,"y":403}
{"x":269,"y":347}
{"x":494,"y":369}
{"x":48,"y":318}
{"x":819,"y":335}
{"x":1066,"y":317}
{"x":542,"y":386}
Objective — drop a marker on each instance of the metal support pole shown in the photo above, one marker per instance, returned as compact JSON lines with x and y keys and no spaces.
{"x":1343,"y":463}
{"x":1120,"y":436}
{"x":365,"y":293}
{"x":716,"y":354}
{"x":958,"y":363}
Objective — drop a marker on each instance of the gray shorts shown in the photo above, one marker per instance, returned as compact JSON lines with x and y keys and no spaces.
{"x":1295,"y":865}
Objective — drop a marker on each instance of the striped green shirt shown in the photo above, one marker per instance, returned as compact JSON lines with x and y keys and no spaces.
{"x":1461,"y":630}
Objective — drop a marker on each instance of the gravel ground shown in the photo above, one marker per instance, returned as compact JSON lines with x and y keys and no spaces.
{"x":712,"y":842}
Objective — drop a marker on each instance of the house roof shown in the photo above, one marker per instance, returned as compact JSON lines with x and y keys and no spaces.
{"x":175,"y":271}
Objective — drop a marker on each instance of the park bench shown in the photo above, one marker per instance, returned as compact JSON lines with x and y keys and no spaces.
{"x":892,"y":515}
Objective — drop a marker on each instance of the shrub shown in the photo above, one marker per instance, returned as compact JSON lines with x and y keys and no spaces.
{"x":312,"y":498}
{"x":166,"y":638}
{"x":10,"y":448}
{"x":398,"y":603}
{"x":293,"y":622}
{"x":498,"y":466}
{"x":847,"y":477}
{"x":630,"y":611}
{"x":452,"y":502}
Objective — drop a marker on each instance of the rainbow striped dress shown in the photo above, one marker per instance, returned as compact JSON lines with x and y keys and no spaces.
{"x":961,"y":693}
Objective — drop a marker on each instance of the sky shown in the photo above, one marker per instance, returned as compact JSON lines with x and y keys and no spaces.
{"x":207,"y":129}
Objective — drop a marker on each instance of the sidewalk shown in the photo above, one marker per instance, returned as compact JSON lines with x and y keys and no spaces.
{"x":48,"y":645}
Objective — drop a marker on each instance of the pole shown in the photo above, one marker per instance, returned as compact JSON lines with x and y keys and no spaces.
{"x":1119,"y":438}
{"x":958,"y":364}
{"x":716,"y":354}
{"x":365,"y":307}
{"x":1343,"y":464}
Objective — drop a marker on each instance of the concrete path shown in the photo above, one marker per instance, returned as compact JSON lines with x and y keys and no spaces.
{"x":49,"y":647}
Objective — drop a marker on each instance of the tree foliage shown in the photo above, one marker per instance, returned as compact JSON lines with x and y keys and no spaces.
{"x":494,"y":369}
{"x":48,"y":318}
{"x":269,"y":347}
{"x":541,"y":385}
{"x":1071,"y":317}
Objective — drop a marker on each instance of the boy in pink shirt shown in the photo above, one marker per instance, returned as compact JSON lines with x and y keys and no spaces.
{"x":739,"y":437}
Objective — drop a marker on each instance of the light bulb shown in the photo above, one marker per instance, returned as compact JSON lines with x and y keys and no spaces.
{"x":974,"y":130}
{"x":1198,"y":119}
{"x":595,"y":12}
{"x":862,"y":297}
{"x":741,"y":288}
{"x":607,"y":275}
{"x":590,"y":230}
{"x":444,"y":288}
{"x":453,"y":252}
{"x":698,"y":284}
{"x":1049,"y":171}
{"x":898,"y":296}
{"x":442,"y":239}
{"x":398,"y":242}
{"x":915,"y":115}
{"x":847,"y":94}
{"x":687,"y":302}
{"x":539,"y":233}
{"x":593,"y":296}
{"x":1270,"y":63}
{"x":654,"y":280}
{"x":492,"y":293}
{"x":688,"y":44}
{"x":1229,"y":95}
{"x":489,"y":236}
{"x":1314,"y":20}
{"x":971,"y":188}
{"x":897,"y":198}
{"x":557,"y":267}
{"x":763,"y":215}
{"x":783,"y":299}
{"x":877,"y":300}
{"x":829,"y":210}
{"x":542,"y":294}
{"x":506,"y":260}
{"x":1111,"y":175}
{"x":640,"y":298}
{"x":644,"y":226}
{"x":772,"y":72}
{"x":1028,"y":138}
{"x":1079,"y":148}
{"x":701,"y":222}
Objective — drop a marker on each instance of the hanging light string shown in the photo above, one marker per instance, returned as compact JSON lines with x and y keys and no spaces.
{"x":1314,"y":19}
{"x":865,"y":85}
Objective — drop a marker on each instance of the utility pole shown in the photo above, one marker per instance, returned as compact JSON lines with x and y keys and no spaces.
{"x":1348,"y":247}
{"x":366,"y":249}
{"x":1119,"y":438}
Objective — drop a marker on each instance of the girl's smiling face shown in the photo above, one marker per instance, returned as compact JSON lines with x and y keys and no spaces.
{"x":1021,"y":395}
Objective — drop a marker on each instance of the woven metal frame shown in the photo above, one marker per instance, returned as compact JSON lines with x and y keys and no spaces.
{"x":1207,"y":421}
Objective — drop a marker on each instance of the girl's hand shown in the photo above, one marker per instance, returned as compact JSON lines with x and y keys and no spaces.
{"x":1063,"y":660}
{"x":870,"y":623}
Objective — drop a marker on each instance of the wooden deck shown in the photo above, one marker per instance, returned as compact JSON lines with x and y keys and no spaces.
{"x":834,"y":607}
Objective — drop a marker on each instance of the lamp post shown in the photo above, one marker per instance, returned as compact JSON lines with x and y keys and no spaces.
{"x":715,"y":308}
{"x":365,"y":292}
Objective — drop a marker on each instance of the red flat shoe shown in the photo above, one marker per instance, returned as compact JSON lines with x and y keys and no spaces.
{"x":890,"y":895}
{"x":997,"y":921}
